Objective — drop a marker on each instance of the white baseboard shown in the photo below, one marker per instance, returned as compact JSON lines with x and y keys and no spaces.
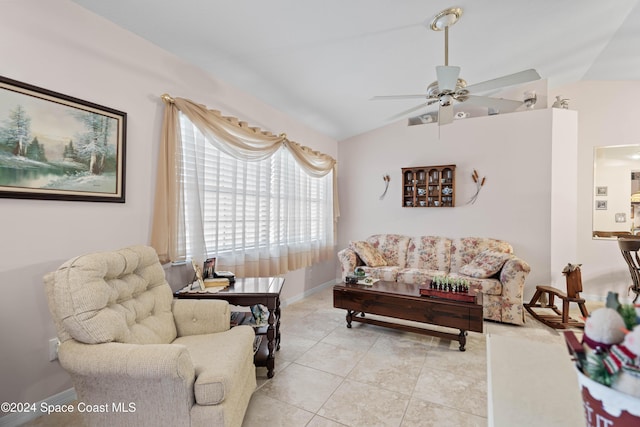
{"x":308,"y":293}
{"x":18,"y":418}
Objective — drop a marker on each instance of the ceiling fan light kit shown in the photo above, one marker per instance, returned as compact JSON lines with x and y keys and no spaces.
{"x":449,"y":88}
{"x":446,"y":18}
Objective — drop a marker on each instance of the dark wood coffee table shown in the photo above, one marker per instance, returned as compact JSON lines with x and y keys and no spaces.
{"x":403,"y":301}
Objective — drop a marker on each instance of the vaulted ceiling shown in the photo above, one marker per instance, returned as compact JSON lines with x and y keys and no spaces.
{"x":321,"y":61}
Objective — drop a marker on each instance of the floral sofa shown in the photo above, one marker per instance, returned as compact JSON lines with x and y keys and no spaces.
{"x":487,"y":264}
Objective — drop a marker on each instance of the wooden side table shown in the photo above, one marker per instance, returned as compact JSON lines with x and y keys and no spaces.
{"x":250,"y":291}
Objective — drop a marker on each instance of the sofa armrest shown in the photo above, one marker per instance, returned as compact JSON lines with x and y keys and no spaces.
{"x":349,"y":260}
{"x":201,"y":316}
{"x":512,"y":276}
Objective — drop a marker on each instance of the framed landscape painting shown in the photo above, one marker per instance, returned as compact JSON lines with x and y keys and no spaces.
{"x":54,"y":146}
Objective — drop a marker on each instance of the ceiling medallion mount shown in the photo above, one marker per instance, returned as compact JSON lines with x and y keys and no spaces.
{"x":446,"y":18}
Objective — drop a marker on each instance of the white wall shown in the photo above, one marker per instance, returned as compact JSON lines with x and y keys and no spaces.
{"x":513,"y":151}
{"x":60,"y":46}
{"x":607,"y":115}
{"x":564,"y":197}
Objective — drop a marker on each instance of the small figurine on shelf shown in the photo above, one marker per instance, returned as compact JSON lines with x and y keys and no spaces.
{"x":260,"y":314}
{"x":561,"y":102}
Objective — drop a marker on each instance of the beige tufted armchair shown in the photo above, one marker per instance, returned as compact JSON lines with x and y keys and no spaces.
{"x":139,"y":357}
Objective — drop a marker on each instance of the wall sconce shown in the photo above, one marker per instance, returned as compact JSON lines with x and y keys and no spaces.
{"x":386,"y":179}
{"x":479,"y":184}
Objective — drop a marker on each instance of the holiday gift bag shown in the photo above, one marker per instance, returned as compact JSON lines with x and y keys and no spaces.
{"x":604,"y":406}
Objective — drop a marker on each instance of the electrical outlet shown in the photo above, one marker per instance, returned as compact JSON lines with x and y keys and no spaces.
{"x":53,"y":349}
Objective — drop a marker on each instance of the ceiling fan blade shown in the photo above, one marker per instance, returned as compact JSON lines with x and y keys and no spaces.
{"x":445,"y":115}
{"x":502,"y":105}
{"x":423,"y":119}
{"x":388,"y":97}
{"x":447,"y":77}
{"x":404,"y":113}
{"x":509,"y":80}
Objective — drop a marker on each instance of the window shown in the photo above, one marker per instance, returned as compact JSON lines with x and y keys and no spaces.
{"x":267,"y":213}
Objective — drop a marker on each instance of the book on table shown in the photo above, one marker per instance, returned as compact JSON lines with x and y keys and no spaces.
{"x":216,"y":282}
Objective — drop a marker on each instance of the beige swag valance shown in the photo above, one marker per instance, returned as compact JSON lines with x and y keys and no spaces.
{"x":230,"y":135}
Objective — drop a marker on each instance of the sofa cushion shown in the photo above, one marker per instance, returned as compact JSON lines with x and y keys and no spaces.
{"x":393,"y":247}
{"x":219,"y":360}
{"x":368,"y":254}
{"x":418,"y":275}
{"x":465,"y":249}
{"x":387,"y":273}
{"x":429,"y":253}
{"x":491,"y":286}
{"x":485,"y":264}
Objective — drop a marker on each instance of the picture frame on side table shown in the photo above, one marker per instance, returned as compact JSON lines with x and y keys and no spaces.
{"x":57,"y":147}
{"x":198,"y":280}
{"x":209,"y":268}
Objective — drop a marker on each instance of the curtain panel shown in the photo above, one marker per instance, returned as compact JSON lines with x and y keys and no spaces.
{"x":238,"y":140}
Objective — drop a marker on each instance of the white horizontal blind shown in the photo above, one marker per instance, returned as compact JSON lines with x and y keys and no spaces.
{"x":262,"y":217}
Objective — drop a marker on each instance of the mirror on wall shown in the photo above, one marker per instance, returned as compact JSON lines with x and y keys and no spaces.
{"x":616,"y":191}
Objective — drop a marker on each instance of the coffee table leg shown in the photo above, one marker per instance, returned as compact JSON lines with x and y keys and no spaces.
{"x":462,"y":339}
{"x":349,"y":317}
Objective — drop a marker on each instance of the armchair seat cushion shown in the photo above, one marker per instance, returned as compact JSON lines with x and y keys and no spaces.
{"x":219,"y":360}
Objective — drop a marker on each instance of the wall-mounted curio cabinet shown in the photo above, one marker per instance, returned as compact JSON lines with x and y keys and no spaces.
{"x":429,"y":186}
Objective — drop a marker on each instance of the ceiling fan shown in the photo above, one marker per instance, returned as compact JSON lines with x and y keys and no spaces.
{"x":450,"y":88}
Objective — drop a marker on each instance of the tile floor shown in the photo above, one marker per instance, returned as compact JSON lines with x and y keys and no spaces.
{"x":330,"y":376}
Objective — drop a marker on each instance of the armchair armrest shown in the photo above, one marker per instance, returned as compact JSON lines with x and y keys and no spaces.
{"x":201,"y":316}
{"x":153,"y":377}
{"x":128,"y":362}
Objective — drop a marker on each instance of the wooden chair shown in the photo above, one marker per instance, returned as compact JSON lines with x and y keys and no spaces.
{"x":559,"y":319}
{"x":629,"y":248}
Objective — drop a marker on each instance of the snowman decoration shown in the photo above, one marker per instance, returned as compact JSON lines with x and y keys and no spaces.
{"x":623,"y":363}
